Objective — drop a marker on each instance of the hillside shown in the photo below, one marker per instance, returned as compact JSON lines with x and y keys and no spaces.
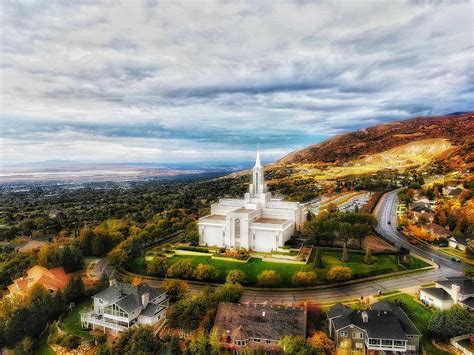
{"x":457,"y":129}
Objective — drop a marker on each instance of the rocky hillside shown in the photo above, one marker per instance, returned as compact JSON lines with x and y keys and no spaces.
{"x":458,"y":129}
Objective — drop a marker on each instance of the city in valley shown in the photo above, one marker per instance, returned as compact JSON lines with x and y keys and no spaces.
{"x":200,"y":177}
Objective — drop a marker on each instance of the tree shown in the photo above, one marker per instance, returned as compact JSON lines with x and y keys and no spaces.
{"x":317,"y":261}
{"x":188,"y":312}
{"x":139,"y":340}
{"x":84,"y":240}
{"x":304,"y":279}
{"x":268,"y":278}
{"x":199,"y":342}
{"x":75,"y":290}
{"x":236,"y":276}
{"x":451,"y":323}
{"x":345,"y":253}
{"x":215,"y":341}
{"x":228,"y":292}
{"x":157,"y":266}
{"x":176,"y":289}
{"x":368,"y":258}
{"x":205,"y":272}
{"x":180,"y":270}
{"x":292,"y":344}
{"x":339,"y":273}
{"x":321,"y":343}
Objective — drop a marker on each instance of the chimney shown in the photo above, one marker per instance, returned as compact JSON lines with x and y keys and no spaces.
{"x":365,"y":317}
{"x":263,"y":314}
{"x":145,"y":299}
{"x":456,"y":289}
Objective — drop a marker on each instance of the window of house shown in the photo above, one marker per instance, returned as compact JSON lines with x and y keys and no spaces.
{"x":386,"y":342}
{"x":357,"y":335}
{"x":257,"y":340}
{"x":399,"y":343}
{"x":374,"y":341}
{"x":411,"y":347}
{"x":343,"y":333}
{"x":268,"y":341}
{"x":237,"y":228}
{"x":359,"y":345}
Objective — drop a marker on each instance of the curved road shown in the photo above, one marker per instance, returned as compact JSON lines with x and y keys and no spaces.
{"x":385,"y":211}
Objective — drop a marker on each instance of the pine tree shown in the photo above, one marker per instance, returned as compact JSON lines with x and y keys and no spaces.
{"x":368,"y":259}
{"x":345,"y":253}
{"x":317,"y":261}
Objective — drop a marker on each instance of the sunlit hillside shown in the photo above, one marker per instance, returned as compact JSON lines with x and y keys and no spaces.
{"x":416,"y":153}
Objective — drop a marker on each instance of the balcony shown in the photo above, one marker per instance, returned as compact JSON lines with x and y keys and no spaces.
{"x":90,"y":318}
{"x":388,"y":346}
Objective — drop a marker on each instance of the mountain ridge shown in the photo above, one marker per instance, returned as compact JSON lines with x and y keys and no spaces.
{"x":457,"y":128}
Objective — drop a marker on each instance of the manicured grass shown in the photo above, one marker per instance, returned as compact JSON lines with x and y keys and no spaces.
{"x":72,"y":322}
{"x":384,"y":264}
{"x":420,"y":315}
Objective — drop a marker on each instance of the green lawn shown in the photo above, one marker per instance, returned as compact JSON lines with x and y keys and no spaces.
{"x":43,"y":347}
{"x":72,"y":322}
{"x":420,"y":315}
{"x":384,"y":264}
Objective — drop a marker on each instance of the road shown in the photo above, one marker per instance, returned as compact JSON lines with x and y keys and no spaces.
{"x":385,"y":211}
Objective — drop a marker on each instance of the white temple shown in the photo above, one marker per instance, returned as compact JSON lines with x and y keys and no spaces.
{"x":257,"y":222}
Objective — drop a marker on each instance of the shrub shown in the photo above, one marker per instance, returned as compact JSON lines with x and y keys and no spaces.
{"x":339,"y":273}
{"x":193,"y":248}
{"x":268,"y":278}
{"x":181,"y":270}
{"x":205,"y":272}
{"x":304,"y":278}
{"x":228,"y":293}
{"x":236,"y":276}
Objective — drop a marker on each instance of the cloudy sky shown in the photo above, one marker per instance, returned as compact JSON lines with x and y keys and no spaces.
{"x":168,"y":81}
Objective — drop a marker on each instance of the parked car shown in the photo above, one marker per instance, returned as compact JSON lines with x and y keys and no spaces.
{"x":413,"y":241}
{"x":456,"y":259}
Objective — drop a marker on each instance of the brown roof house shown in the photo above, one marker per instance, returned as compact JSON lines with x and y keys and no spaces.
{"x":437,"y":231}
{"x":51,"y":279}
{"x":258,"y":325}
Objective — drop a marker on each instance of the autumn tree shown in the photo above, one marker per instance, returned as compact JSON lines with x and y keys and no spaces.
{"x":321,"y":343}
{"x":345,"y":253}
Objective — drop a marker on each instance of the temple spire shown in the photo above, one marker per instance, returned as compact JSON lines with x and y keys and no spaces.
{"x":258,"y":164}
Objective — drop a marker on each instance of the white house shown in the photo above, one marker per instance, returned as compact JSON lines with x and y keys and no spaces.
{"x":122,"y":306}
{"x":257,"y":222}
{"x":452,"y":290}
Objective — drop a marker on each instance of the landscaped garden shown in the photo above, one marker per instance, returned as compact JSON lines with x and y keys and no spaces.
{"x":285,"y":270}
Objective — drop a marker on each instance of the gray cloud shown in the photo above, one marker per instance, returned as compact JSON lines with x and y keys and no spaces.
{"x":161,"y":81}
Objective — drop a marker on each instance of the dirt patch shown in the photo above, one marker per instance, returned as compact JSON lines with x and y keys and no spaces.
{"x":377,"y":244}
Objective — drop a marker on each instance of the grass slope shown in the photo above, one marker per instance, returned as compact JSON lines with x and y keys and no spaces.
{"x":420,"y":315}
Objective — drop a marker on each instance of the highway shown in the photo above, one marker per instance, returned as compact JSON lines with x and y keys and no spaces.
{"x":385,"y":212}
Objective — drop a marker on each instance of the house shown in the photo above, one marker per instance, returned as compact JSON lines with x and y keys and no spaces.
{"x":51,"y":279}
{"x":427,"y":217}
{"x":121,"y":306}
{"x":419,"y":206}
{"x":450,"y":291}
{"x":384,"y":328}
{"x":458,"y":242}
{"x":257,"y":325}
{"x":257,"y":222}
{"x":452,"y":191}
{"x":437,"y":231}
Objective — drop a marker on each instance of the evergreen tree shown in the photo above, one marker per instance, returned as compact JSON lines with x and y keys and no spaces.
{"x":317,"y":261}
{"x":345,"y":253}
